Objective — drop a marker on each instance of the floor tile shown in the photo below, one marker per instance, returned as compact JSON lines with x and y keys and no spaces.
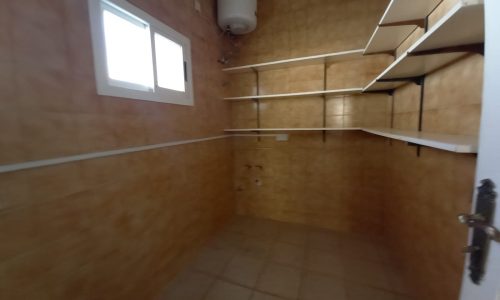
{"x":362,"y":250}
{"x":263,"y":229}
{"x":281,"y":260}
{"x":293,"y":236}
{"x":212,"y":260}
{"x":280,"y":280}
{"x":227,"y":240}
{"x":324,"y":262}
{"x":257,"y":247}
{"x":222,"y":290}
{"x":320,"y":287}
{"x":240,"y":224}
{"x":288,"y":254}
{"x":244,"y":270}
{"x":385,"y":254}
{"x":188,"y":286}
{"x":361,"y":292}
{"x":366,"y":272}
{"x":262,"y":296}
{"x":324,"y":240}
{"x":397,"y":282}
{"x":401,"y":297}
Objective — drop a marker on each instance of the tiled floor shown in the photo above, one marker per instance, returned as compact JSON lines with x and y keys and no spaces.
{"x":255,"y":259}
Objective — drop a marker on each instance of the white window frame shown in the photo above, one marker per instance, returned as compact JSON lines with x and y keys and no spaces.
{"x":109,"y":87}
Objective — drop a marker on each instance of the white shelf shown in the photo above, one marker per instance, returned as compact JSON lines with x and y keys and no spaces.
{"x":462,"y":25}
{"x":382,"y":86}
{"x":290,"y":129}
{"x":386,"y":39}
{"x":303,"y":94}
{"x":448,"y":142}
{"x":299,"y":61}
{"x":453,"y":143}
{"x":392,"y":29}
{"x":414,"y":66}
{"x":404,"y":10}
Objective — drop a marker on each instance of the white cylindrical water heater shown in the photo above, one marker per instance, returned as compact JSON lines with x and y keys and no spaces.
{"x":237,"y":16}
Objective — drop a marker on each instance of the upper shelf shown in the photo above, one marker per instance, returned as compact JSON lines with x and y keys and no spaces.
{"x":299,"y":61}
{"x":400,"y":19}
{"x":448,"y":142}
{"x":303,"y":94}
{"x":400,"y":11}
{"x":462,"y":25}
{"x":453,"y":36}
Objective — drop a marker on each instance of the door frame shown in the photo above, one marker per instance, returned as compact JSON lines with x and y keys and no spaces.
{"x":488,"y":163}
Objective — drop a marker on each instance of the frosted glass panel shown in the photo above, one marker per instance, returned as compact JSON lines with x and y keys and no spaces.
{"x":169,"y":64}
{"x":128,"y":49}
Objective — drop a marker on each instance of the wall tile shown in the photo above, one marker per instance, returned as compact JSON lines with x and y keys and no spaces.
{"x":83,"y":230}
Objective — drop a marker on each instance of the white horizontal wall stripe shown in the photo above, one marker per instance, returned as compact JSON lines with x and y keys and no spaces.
{"x":254,"y":135}
{"x":79,"y":157}
{"x":67,"y":159}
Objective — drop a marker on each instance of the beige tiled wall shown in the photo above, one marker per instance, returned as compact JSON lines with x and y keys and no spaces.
{"x":423,"y":197}
{"x":292,"y":28}
{"x":452,"y":102}
{"x":438,"y":185}
{"x":332,"y":183}
{"x":359,"y":111}
{"x":115,"y":227}
{"x":49,"y":102}
{"x":353,"y":181}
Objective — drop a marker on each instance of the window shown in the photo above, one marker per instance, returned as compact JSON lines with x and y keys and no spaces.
{"x":137,"y":56}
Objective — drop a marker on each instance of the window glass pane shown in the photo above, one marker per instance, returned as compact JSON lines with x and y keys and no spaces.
{"x":169,"y":64}
{"x":128,"y":49}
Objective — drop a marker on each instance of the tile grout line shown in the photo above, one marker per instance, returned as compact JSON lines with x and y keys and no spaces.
{"x":268,"y":260}
{"x":216,"y":277}
{"x":343,"y":278}
{"x":221,"y":277}
{"x":303,"y":270}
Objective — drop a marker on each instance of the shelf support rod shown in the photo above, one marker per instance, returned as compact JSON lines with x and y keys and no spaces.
{"x":391,"y":94}
{"x":421,"y":109}
{"x":422,"y":23}
{"x":257,"y":100}
{"x":325,"y":83}
{"x":421,"y":83}
{"x":385,"y":92}
{"x":415,"y":80}
{"x":472,"y":48}
{"x":388,"y":52}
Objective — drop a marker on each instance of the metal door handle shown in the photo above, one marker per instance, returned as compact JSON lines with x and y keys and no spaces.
{"x":478,"y":221}
{"x":483,"y":232}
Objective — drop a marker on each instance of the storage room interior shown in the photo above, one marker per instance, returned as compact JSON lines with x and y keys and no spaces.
{"x":323,"y":150}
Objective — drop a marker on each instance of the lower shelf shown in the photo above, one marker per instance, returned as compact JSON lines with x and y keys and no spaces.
{"x":289,"y":129}
{"x":447,"y":142}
